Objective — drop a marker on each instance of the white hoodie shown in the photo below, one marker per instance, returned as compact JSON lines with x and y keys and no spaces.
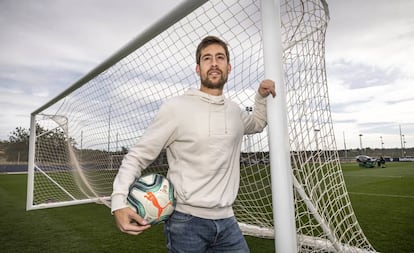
{"x":202,"y":135}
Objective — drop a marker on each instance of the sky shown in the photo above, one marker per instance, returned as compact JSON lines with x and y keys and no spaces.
{"x":47,"y":45}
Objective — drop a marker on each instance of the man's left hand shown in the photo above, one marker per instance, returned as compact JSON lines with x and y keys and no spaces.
{"x":266,"y":88}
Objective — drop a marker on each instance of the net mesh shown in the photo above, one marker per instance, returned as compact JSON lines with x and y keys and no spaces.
{"x":82,"y":138}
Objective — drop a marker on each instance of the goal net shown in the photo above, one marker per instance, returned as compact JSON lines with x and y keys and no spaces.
{"x":79,"y":138}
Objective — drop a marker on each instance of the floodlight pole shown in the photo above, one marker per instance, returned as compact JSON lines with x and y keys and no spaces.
{"x":281,"y":170}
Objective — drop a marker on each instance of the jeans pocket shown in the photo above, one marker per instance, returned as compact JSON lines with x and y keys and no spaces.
{"x":181,"y":217}
{"x":179,"y":232}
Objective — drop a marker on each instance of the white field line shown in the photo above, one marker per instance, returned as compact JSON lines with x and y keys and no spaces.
{"x":382,"y":195}
{"x":372,"y":176}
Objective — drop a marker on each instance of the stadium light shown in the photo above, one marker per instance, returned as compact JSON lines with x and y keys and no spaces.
{"x":360,"y":142}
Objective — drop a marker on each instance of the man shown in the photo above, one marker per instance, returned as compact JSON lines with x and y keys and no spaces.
{"x":202,"y":133}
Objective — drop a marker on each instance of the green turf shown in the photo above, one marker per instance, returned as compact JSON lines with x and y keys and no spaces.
{"x":83,"y":228}
{"x":383,"y":199}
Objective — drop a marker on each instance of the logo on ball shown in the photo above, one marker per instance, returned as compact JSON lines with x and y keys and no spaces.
{"x":152,"y":197}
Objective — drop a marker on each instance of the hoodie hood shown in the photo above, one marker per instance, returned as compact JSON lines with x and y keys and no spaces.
{"x":218,"y":100}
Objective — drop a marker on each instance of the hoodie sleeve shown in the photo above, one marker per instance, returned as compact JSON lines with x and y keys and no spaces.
{"x":257,"y":120}
{"x":158,"y":135}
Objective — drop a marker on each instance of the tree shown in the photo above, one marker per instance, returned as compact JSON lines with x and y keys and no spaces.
{"x":51,"y":145}
{"x":18,"y":146}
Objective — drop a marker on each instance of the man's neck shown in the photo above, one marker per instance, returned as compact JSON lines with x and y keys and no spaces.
{"x":213,"y":92}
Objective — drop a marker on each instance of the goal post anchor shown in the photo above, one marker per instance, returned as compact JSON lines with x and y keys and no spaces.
{"x":281,"y":171}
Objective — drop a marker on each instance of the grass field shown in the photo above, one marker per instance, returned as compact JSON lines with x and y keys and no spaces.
{"x":383,"y":199}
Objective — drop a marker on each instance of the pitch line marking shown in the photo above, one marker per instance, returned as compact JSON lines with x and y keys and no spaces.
{"x":382,"y":195}
{"x":372,"y":176}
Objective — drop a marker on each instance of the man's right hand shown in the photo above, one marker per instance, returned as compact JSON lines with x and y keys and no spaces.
{"x":130,"y":222}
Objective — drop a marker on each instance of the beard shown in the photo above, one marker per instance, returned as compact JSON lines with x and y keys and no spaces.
{"x":218,"y":84}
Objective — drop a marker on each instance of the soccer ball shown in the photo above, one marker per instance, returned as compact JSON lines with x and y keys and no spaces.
{"x":152,"y":197}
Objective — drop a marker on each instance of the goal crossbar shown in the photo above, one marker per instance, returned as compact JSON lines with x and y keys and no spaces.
{"x":162,"y":24}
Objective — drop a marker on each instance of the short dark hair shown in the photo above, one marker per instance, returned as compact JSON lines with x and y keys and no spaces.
{"x":207,"y":41}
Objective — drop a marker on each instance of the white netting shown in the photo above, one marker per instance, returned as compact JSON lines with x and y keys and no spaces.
{"x":82,"y":137}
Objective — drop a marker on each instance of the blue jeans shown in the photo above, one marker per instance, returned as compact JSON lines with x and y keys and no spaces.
{"x":190,"y":234}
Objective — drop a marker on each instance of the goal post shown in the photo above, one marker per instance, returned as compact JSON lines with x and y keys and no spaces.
{"x":279,"y":151}
{"x":291,"y":182}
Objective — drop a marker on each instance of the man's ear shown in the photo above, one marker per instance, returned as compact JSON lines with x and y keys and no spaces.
{"x":198,"y":69}
{"x":229,"y":68}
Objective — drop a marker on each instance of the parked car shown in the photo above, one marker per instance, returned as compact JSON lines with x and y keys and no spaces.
{"x":366,"y":161}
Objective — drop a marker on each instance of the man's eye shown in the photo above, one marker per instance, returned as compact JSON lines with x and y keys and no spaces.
{"x":206,"y":58}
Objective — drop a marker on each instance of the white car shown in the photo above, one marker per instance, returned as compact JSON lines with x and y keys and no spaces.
{"x":365,"y":158}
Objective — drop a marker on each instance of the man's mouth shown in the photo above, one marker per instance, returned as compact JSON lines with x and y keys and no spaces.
{"x":214,"y":73}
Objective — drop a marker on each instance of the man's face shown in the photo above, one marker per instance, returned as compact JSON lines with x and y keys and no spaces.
{"x":214,"y":67}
